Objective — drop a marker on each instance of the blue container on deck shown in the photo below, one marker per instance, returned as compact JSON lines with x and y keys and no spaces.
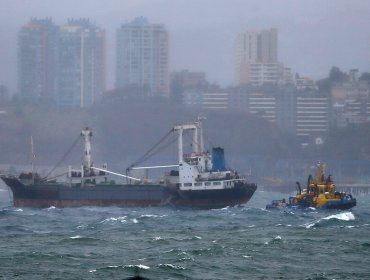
{"x":218,"y":159}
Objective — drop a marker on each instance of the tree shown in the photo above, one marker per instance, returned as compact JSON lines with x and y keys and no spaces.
{"x":336,"y":75}
{"x":365,"y":77}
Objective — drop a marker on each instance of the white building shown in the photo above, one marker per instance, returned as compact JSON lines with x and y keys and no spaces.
{"x":312,"y":115}
{"x":256,"y":58}
{"x":142,"y":57}
{"x":216,"y":100}
{"x":262,"y":105}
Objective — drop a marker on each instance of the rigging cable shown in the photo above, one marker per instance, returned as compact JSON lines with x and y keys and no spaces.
{"x":146,"y":155}
{"x":159,"y":150}
{"x":63,"y":158}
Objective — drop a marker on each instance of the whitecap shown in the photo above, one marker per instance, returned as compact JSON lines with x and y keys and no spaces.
{"x":197,"y":237}
{"x":141,"y":266}
{"x":121,"y":219}
{"x":76,"y":237}
{"x":276,"y":238}
{"x":134,"y":221}
{"x":346,"y":216}
{"x":178,"y":267}
{"x":157,"y":238}
{"x":148,"y":216}
{"x":247,"y":256}
{"x":186,"y":259}
{"x":310,"y":225}
{"x":92,"y":271}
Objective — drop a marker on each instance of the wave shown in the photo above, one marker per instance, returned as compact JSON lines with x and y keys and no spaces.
{"x":140,"y":266}
{"x":152,"y":216}
{"x":134,"y":267}
{"x":76,"y":237}
{"x":172,"y":266}
{"x":113,"y":220}
{"x":275,"y":239}
{"x":346,"y":216}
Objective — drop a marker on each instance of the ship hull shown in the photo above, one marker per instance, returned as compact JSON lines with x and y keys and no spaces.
{"x":212,"y":199}
{"x":44,"y":195}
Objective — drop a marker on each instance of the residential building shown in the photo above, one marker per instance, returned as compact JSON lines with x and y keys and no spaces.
{"x":351,"y":101}
{"x":37,"y":60}
{"x":81,"y":67}
{"x":61,"y":66}
{"x":305,"y":83}
{"x":312,"y":115}
{"x":192,"y":97}
{"x":262,"y":105}
{"x":256,"y":58}
{"x":352,"y":90}
{"x":216,"y":100}
{"x":188,"y":87}
{"x":304,"y":114}
{"x":143,"y":57}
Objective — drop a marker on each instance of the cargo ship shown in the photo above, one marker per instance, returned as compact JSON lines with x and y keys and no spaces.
{"x":320,"y":193}
{"x":199,"y":180}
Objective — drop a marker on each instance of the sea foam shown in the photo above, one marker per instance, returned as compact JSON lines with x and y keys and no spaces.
{"x":346,"y":216}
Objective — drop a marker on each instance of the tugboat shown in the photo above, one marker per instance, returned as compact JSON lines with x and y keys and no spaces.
{"x":201,"y":181}
{"x":320,"y":193}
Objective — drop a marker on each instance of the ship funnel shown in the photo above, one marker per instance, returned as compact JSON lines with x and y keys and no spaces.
{"x":218,"y":159}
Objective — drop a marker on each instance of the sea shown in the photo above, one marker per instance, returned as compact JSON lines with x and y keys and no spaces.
{"x":247,"y":242}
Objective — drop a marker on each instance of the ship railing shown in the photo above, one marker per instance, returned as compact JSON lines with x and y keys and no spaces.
{"x":219,"y":184}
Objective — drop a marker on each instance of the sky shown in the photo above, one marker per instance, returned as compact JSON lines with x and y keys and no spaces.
{"x":313,"y":35}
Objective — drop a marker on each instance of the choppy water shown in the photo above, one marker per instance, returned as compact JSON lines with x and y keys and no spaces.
{"x":167,"y":243}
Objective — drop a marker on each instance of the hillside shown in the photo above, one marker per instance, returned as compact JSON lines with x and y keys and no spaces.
{"x":124,"y":131}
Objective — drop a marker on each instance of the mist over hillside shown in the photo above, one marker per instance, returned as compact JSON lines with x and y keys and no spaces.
{"x":125,"y":130}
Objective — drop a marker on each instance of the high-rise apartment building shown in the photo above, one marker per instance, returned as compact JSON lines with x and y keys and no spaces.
{"x":81,"y":67}
{"x":256,"y":58}
{"x":37,"y":59}
{"x":62,"y":66}
{"x":142,"y":57}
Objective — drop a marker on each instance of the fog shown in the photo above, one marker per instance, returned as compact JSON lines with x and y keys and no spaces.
{"x":313,"y":35}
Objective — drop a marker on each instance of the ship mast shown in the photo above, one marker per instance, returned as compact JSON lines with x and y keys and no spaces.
{"x":87,"y":163}
{"x":180,"y":129}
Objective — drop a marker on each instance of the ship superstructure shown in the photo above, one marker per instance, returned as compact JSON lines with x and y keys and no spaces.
{"x":202,"y":170}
